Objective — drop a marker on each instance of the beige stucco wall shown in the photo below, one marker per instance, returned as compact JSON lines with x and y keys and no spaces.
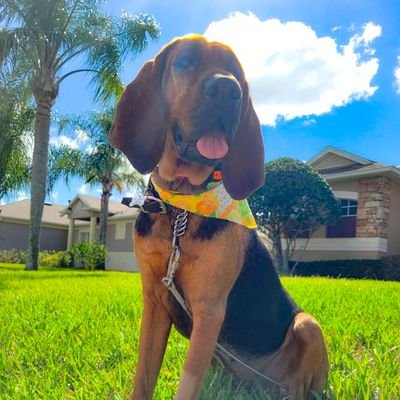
{"x":393,"y":229}
{"x":121,"y":261}
{"x":116,"y":242}
{"x":350,"y":185}
{"x":331,"y":161}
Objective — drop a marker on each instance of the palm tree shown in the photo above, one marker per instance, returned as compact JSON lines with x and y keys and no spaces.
{"x":45,"y":36}
{"x":96,"y":160}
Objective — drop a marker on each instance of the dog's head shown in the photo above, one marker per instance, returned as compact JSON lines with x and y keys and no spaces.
{"x":189,"y":110}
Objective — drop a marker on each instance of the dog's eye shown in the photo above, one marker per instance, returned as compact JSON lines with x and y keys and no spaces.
{"x":184,"y":62}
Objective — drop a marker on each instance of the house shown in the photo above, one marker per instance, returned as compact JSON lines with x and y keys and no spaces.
{"x":63,"y":226}
{"x":369,"y":193}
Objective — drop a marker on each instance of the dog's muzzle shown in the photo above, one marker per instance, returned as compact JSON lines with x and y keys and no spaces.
{"x":214,"y":122}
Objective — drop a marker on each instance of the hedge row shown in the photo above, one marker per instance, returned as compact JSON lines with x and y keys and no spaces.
{"x":386,"y":268}
{"x":87,"y":255}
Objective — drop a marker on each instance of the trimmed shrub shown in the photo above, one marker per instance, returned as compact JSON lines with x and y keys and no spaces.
{"x":88,"y":255}
{"x":13,"y":256}
{"x":60,"y":259}
{"x":386,"y":268}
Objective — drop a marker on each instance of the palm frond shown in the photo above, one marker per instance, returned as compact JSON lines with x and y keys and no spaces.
{"x":64,"y":163}
{"x":12,"y":42}
{"x":16,"y":122}
{"x":126,"y":38}
{"x":134,"y":31}
{"x":98,"y":162}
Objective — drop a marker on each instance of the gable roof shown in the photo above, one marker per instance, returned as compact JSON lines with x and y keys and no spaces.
{"x":336,"y":157}
{"x":90,"y":203}
{"x":337,"y":164}
{"x":20,"y":211}
{"x":56,"y":214}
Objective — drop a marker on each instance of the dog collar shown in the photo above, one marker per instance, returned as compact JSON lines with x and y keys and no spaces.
{"x":212,"y":203}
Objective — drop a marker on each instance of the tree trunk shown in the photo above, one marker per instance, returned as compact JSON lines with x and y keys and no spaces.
{"x":38,"y":180}
{"x":285,"y":260}
{"x":278,"y":253}
{"x":105,"y":196}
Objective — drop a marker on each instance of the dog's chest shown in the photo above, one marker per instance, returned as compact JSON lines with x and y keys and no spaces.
{"x":207,"y":257}
{"x":154,"y":236}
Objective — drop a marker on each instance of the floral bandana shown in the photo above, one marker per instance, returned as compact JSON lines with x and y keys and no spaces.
{"x":213,"y":203}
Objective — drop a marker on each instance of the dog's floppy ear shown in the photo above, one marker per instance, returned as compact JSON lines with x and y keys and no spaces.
{"x":139,"y":127}
{"x":243,"y":167}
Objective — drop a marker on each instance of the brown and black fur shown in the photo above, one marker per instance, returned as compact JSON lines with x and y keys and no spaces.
{"x":226,"y":274}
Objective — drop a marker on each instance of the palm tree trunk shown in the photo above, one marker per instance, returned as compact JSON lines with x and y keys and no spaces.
{"x":38,"y":180}
{"x":104,"y":214}
{"x":105,"y":197}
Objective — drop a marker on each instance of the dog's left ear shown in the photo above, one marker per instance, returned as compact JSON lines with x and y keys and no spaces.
{"x":139,"y":126}
{"x":243,"y":168}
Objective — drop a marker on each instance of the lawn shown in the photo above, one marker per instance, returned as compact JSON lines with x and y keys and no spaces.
{"x":73,"y":335}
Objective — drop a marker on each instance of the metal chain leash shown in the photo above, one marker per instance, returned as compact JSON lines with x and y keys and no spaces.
{"x":174,"y":260}
{"x":180,"y":226}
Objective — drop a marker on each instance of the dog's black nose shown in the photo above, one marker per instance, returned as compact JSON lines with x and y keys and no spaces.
{"x":222,"y":88}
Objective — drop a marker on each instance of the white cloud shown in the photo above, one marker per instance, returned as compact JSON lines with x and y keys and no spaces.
{"x":80,"y":140}
{"x":12,"y":197}
{"x":84,"y":189}
{"x":294,"y":73}
{"x":21,"y":195}
{"x":397,"y":75}
{"x":309,"y":121}
{"x":54,"y":195}
{"x":60,"y":140}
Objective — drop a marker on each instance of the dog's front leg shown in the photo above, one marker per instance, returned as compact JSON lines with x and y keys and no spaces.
{"x":207,"y":321}
{"x":154,"y":332}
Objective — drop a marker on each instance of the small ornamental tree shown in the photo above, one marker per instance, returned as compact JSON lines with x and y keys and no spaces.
{"x":293,"y":202}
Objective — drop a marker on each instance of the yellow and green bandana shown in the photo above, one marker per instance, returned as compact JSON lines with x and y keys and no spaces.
{"x":214,"y":203}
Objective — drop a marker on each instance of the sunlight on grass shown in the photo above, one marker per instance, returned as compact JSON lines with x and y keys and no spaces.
{"x":74,"y":335}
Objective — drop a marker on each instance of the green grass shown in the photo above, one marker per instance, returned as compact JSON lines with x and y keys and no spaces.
{"x":74,"y":334}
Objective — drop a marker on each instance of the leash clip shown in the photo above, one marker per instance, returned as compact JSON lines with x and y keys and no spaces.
{"x":146,"y":204}
{"x":163,"y":208}
{"x":167,"y":281}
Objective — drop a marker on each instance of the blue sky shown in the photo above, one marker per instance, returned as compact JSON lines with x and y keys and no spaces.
{"x":321,"y":72}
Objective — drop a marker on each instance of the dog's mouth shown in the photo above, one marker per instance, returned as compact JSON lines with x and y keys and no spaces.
{"x":208,"y":149}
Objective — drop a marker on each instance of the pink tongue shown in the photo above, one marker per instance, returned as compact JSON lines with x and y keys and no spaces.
{"x":212,"y":146}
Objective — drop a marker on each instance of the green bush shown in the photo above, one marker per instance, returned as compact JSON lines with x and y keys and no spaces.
{"x":61,"y":259}
{"x":386,"y":268}
{"x":13,"y":256}
{"x":88,"y":255}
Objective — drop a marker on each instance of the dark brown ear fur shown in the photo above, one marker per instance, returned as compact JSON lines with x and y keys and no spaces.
{"x":139,"y":127}
{"x":243,"y":168}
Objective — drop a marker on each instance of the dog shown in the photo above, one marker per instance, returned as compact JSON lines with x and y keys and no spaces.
{"x":188,"y":119}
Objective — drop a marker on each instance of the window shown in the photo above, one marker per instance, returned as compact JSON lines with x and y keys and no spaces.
{"x":349,"y":207}
{"x":83,"y":236}
{"x":346,"y":227}
{"x":120,"y":231}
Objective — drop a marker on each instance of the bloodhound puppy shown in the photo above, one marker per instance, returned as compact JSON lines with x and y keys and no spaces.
{"x":188,"y":119}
